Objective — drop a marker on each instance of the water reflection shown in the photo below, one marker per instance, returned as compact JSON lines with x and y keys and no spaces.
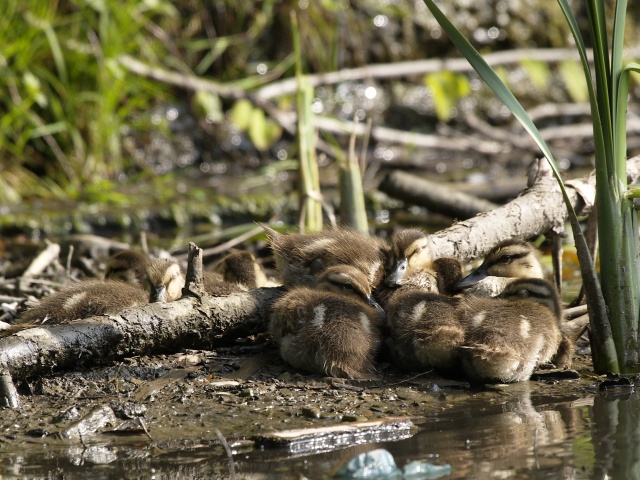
{"x":616,"y":435}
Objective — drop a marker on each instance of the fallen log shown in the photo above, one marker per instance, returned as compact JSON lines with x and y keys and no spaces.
{"x":432,"y":195}
{"x":191,"y":322}
{"x":539,"y":209}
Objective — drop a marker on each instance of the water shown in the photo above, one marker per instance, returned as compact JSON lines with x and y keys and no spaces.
{"x":566,"y":429}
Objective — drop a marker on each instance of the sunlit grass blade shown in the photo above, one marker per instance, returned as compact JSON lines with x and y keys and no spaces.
{"x":310,"y":198}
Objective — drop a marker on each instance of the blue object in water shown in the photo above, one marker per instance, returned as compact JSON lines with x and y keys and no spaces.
{"x":379,"y":464}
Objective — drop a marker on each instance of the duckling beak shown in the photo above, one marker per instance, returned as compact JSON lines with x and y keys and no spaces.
{"x":376,"y":305}
{"x":158,"y":294}
{"x":395,"y":277}
{"x":472,"y":278}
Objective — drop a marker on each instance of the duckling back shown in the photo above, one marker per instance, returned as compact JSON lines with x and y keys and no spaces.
{"x":82,"y":300}
{"x":301,"y":258}
{"x":424,"y":331}
{"x":508,"y":337}
{"x":127,"y":266}
{"x":333,"y":328}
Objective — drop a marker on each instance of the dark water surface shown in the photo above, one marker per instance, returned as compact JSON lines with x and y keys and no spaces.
{"x":527,"y":430}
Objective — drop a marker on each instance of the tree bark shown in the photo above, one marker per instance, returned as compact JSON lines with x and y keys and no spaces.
{"x":538,"y":209}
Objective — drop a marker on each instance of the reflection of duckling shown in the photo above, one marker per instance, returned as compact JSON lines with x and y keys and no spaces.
{"x":300,"y":258}
{"x":507,"y":337}
{"x":332,"y":329}
{"x":127,"y":266}
{"x":507,"y":260}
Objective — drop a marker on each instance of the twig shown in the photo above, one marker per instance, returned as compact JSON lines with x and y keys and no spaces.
{"x":39,"y":264}
{"x":194,"y":284}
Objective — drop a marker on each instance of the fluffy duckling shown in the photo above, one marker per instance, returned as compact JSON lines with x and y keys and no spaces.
{"x":332,"y":329}
{"x":424,"y":330}
{"x":504,"y":262}
{"x":83,"y":299}
{"x":164,"y":280}
{"x":509,"y":336}
{"x":300,"y":258}
{"x":410,"y":252}
{"x":243,"y":268}
{"x":238,"y":271}
{"x":88,"y":298}
{"x":411,"y":266}
{"x":127,"y":266}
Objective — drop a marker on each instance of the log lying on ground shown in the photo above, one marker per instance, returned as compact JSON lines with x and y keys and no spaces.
{"x":537,"y":210}
{"x":155,"y":328}
{"x":433,"y":196}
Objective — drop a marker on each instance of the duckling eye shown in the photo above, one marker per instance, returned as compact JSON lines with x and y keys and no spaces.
{"x":506,"y":258}
{"x":522,"y":293}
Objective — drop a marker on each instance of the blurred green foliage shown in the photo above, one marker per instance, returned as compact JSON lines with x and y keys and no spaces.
{"x":70,"y":114}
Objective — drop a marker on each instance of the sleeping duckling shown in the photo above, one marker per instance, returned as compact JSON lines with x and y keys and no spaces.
{"x":127,"y":266}
{"x":333,"y":329}
{"x":164,"y":280}
{"x":97,"y":297}
{"x":300,"y":258}
{"x":238,"y":271}
{"x":504,"y":262}
{"x":507,"y":337}
{"x":411,"y":266}
{"x":424,"y":330}
{"x":242,"y":267}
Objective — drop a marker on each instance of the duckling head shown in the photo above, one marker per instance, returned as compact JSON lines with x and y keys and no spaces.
{"x":350,"y":281}
{"x":242,"y":267}
{"x":511,"y":258}
{"x":535,"y":289}
{"x":164,"y":280}
{"x":127,"y":266}
{"x":410,"y":253}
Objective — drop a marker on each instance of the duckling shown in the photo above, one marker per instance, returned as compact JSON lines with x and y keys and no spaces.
{"x":410,"y":265}
{"x":127,"y":266}
{"x":81,"y":300}
{"x":508,"y":336}
{"x":332,"y":329}
{"x":424,"y":330}
{"x":242,"y":267}
{"x":507,"y":260}
{"x":164,"y":280}
{"x":300,"y":258}
{"x":410,"y":252}
{"x":98,"y":297}
{"x":238,"y":271}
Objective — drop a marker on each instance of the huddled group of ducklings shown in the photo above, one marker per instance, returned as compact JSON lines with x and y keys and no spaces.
{"x":349,"y":295}
{"x":131,"y":279}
